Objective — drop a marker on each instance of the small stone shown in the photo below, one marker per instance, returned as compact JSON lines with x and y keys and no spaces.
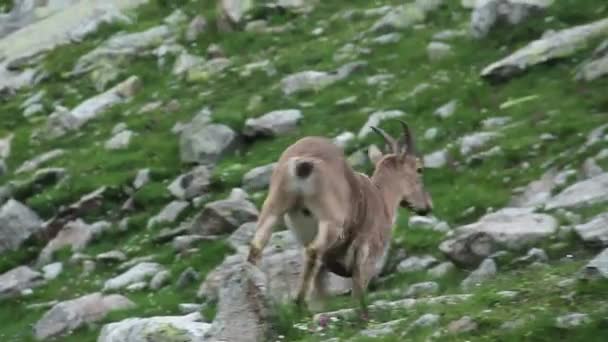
{"x":52,"y":271}
{"x":197,"y":26}
{"x":120,"y":141}
{"x":572,"y":320}
{"x":159,"y":280}
{"x":186,"y":308}
{"x":111,"y":257}
{"x":416,"y":263}
{"x":484,"y":272}
{"x":187,"y":278}
{"x":88,"y":267}
{"x":447,"y":110}
{"x":507,"y":294}
{"x":142,"y":178}
{"x":436,"y":160}
{"x":431,"y":133}
{"x":441,"y":270}
{"x":258,"y":178}
{"x":422,"y":289}
{"x":437,"y":51}
{"x":462,"y":325}
{"x":426,"y":320}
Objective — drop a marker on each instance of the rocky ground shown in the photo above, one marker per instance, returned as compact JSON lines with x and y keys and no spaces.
{"x":137,"y":138}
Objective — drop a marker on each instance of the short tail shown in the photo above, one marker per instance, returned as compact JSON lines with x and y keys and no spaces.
{"x":304,"y":168}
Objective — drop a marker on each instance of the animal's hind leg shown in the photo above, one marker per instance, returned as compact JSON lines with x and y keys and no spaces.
{"x":362,"y":274}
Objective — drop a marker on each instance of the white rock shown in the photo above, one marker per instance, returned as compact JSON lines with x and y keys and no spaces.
{"x":584,"y":193}
{"x":120,"y":141}
{"x":162,"y":328}
{"x":137,"y":273}
{"x":52,"y":271}
{"x":274,"y":123}
{"x":437,"y":51}
{"x":376,"y":118}
{"x":446,"y":110}
{"x":17,"y":224}
{"x":441,"y":270}
{"x":597,"y":267}
{"x":572,"y":320}
{"x":169,"y":213}
{"x":487,"y":270}
{"x":436,"y":160}
{"x":142,"y":178}
{"x":474,"y":142}
{"x":16,"y":280}
{"x":594,"y":231}
{"x":416,"y":263}
{"x":431,"y":133}
{"x":33,"y":164}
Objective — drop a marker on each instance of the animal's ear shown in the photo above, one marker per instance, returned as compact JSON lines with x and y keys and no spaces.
{"x":374,"y":154}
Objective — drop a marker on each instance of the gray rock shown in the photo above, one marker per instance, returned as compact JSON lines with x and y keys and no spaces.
{"x":111,"y":257}
{"x":591,"y":169}
{"x":258,"y":178}
{"x":400,"y":18}
{"x":136,"y":287}
{"x":581,"y":194}
{"x":224,"y":216}
{"x":437,"y":51}
{"x":120,"y":141}
{"x":389,"y":38}
{"x":160,"y":279}
{"x":534,"y":255}
{"x":317,"y":80}
{"x":142,"y":178}
{"x":122,"y":46}
{"x":474,"y":142}
{"x":159,"y":328}
{"x":35,"y":163}
{"x":556,"y":45}
{"x":137,"y":273}
{"x":382,"y":329}
{"x":344,"y":139}
{"x":596,"y":66}
{"x":449,"y":34}
{"x":204,"y":72}
{"x":509,"y":228}
{"x":185,"y":62}
{"x":431,"y":133}
{"x":52,"y":271}
{"x":17,"y":224}
{"x":495,"y":122}
{"x":416,"y":263}
{"x":426,"y":320}
{"x":428,"y":223}
{"x":436,"y":160}
{"x":188,"y":308}
{"x":243,"y":298}
{"x":3,"y":170}
{"x":67,"y":316}
{"x":192,"y":184}
{"x":376,"y":118}
{"x":380,"y":79}
{"x":21,"y":278}
{"x":176,"y":18}
{"x":537,"y":192}
{"x":462,"y":325}
{"x":205,"y":144}
{"x":572,"y":320}
{"x":186,"y":242}
{"x":282,"y":264}
{"x":446,"y":110}
{"x":422,"y":289}
{"x":595,"y":231}
{"x":487,"y":270}
{"x":441,"y":270}
{"x":169,"y":213}
{"x":188,"y":277}
{"x":278,"y":122}
{"x":5,"y":146}
{"x":197,"y":26}
{"x":232,"y":12}
{"x":487,"y":13}
{"x":75,"y":234}
{"x":596,"y":268}
{"x":63,"y":121}
{"x":507,"y":294}
{"x":239,"y":240}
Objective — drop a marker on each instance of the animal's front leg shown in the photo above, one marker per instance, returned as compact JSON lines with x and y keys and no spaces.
{"x":260,"y":239}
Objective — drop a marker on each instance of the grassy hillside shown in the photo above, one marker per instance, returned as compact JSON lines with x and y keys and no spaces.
{"x":462,"y":192}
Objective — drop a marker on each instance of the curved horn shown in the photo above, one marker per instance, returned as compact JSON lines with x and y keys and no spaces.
{"x":394,"y":145}
{"x":410,"y":146}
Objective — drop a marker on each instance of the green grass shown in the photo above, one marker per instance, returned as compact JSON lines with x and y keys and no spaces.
{"x":565,"y":108}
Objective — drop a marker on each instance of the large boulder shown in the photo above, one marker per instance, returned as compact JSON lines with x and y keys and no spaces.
{"x":585,"y":193}
{"x":189,"y":328}
{"x":560,"y":44}
{"x":225,"y":216}
{"x":281,"y":263}
{"x":509,"y":228}
{"x":19,"y":279}
{"x":205,"y":143}
{"x":274,"y":123}
{"x":488,"y":13}
{"x":141,"y":272}
{"x":75,"y":234}
{"x":63,"y":121}
{"x":594,"y":232}
{"x":17,"y":224}
{"x":67,"y":316}
{"x":243,"y":298}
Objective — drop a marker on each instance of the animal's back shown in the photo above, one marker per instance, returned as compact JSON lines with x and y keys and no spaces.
{"x":315,"y":147}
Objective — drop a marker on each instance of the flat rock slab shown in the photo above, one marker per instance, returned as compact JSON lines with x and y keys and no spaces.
{"x":581,"y":194}
{"x":72,"y":314}
{"x":560,"y":44}
{"x":594,"y":232}
{"x":17,"y":280}
{"x":189,"y":328}
{"x":138,"y":273}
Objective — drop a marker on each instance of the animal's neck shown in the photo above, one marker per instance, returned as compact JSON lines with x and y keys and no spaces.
{"x":390,"y":194}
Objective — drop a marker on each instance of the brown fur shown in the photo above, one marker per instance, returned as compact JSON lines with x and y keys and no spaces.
{"x":354,"y":212}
